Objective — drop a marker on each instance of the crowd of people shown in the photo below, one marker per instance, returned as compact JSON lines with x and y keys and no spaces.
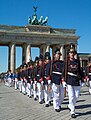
{"x":45,"y":80}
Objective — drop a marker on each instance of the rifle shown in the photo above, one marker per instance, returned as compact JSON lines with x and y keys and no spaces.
{"x":35,"y":75}
{"x":66,"y":68}
{"x":43,"y":76}
{"x":49,"y":85}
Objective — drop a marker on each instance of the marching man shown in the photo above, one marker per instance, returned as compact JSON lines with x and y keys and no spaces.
{"x":73,"y":80}
{"x":88,"y":76}
{"x":57,"y":70}
{"x":47,"y":79}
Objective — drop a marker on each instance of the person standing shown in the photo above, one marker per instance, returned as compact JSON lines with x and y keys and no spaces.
{"x":20,"y":78}
{"x":35,"y":91}
{"x":16,"y":83}
{"x":73,"y":80}
{"x":47,"y":79}
{"x":40,"y":81}
{"x":30,"y":79}
{"x":25,"y":77}
{"x":88,"y":76}
{"x":57,"y":70}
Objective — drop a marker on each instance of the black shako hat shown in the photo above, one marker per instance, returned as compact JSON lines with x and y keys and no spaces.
{"x":72,"y":49}
{"x":30,"y":63}
{"x":36,"y":59}
{"x":47,"y":56}
{"x":57,"y":51}
{"x":40,"y":57}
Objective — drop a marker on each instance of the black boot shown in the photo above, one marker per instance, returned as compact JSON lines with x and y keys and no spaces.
{"x":73,"y":115}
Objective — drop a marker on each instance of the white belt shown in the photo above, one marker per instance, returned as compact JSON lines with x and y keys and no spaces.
{"x":37,"y":75}
{"x":29,"y":77}
{"x":89,"y":73}
{"x":57,"y":73}
{"x":72,"y":74}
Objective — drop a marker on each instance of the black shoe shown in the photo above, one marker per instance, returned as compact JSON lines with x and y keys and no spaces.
{"x":37,"y":96}
{"x":41,"y":102}
{"x":30,"y":96}
{"x":68,"y":108}
{"x":47,"y":105}
{"x":57,"y":110}
{"x":60,"y":107}
{"x":35,"y":99}
{"x":73,"y":116}
{"x":50,"y":103}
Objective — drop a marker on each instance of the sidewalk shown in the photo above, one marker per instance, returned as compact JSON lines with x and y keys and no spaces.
{"x":16,"y":106}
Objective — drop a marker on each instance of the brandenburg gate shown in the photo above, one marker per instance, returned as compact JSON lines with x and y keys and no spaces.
{"x":36,"y":34}
{"x":43,"y":37}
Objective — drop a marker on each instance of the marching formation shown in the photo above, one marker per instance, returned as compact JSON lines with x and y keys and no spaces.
{"x":46,"y":80}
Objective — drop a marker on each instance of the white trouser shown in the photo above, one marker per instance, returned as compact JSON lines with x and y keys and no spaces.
{"x":16,"y":84}
{"x":24,"y":85}
{"x":90,"y":87}
{"x":9,"y":82}
{"x":47,"y":95}
{"x":73,"y":94}
{"x":40,"y":92}
{"x":61,"y":95}
{"x":29,"y":89}
{"x":58,"y":95}
{"x":35,"y":90}
{"x":20,"y":86}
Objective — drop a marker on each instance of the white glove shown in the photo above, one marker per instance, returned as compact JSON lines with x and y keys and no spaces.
{"x":22,"y":80}
{"x":64,"y":84}
{"x":82,"y":84}
{"x":35,"y":82}
{"x":32,"y":81}
{"x":49,"y":82}
{"x":87,"y":79}
{"x":42,"y":82}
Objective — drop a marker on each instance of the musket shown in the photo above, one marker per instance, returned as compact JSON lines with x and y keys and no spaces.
{"x":43,"y":76}
{"x":49,"y":85}
{"x":66,"y":68}
{"x":35,"y":75}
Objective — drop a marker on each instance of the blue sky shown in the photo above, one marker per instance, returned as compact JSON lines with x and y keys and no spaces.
{"x":71,"y":14}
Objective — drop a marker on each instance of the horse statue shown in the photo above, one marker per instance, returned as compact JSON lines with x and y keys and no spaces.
{"x":44,"y":21}
{"x":29,"y":20}
{"x":40,"y":20}
{"x":34,"y":20}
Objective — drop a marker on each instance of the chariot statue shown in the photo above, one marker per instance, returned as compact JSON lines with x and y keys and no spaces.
{"x":34,"y":20}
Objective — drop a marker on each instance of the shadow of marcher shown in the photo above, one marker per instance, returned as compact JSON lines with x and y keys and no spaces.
{"x":83,"y":114}
{"x":83,"y":107}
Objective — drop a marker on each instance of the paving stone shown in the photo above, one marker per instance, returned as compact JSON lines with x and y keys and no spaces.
{"x":15,"y":106}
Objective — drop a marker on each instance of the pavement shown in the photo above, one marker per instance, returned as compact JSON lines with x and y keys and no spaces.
{"x":16,"y":106}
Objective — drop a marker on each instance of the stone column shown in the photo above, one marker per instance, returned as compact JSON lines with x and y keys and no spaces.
{"x":47,"y":48}
{"x":81,"y":62}
{"x":76,"y":47}
{"x":28,"y":53}
{"x":43,"y":49}
{"x":9,"y":57}
{"x":53,"y":49}
{"x":62,"y":52}
{"x":12,"y":55}
{"x":24,"y":53}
